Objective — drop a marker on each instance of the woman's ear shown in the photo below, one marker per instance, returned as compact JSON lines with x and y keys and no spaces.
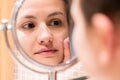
{"x":105,"y":28}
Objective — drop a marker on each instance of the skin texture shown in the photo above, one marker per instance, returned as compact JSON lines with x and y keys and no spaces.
{"x":42,"y":29}
{"x":97,"y":45}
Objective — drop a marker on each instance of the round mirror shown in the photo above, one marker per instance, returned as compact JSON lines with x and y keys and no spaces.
{"x":42,"y":35}
{"x":40,"y":30}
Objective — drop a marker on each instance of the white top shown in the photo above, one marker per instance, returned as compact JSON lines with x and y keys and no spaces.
{"x":23,"y":73}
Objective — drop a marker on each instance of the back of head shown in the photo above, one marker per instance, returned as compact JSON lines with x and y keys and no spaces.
{"x":110,"y":8}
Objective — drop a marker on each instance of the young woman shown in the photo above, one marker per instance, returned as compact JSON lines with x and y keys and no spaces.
{"x":96,"y":37}
{"x":42,"y":27}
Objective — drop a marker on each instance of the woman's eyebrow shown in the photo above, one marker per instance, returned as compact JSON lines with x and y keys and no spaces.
{"x":30,"y":17}
{"x":33,"y":17}
{"x":25,"y":17}
{"x":55,"y":13}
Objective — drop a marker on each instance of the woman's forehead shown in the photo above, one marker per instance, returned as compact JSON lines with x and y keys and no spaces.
{"x":42,"y":1}
{"x":39,"y":4}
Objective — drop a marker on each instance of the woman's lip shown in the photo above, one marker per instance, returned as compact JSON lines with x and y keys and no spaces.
{"x":46,"y":51}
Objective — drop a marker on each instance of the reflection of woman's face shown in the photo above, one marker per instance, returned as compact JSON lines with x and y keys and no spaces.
{"x":41,"y":29}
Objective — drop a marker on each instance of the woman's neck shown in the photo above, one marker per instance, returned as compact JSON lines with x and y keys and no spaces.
{"x":104,"y":78}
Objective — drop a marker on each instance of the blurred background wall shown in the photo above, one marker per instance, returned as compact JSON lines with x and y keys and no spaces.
{"x":6,"y":63}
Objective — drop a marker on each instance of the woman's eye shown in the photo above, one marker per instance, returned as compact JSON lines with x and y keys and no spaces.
{"x":55,"y":23}
{"x":28,"y":25}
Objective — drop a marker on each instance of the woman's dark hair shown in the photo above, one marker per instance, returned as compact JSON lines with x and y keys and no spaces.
{"x":111,"y":8}
{"x":67,"y":9}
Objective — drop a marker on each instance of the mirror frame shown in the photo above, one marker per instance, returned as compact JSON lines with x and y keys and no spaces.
{"x":29,"y":62}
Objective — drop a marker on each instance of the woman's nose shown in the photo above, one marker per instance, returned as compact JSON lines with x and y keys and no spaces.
{"x":45,"y":37}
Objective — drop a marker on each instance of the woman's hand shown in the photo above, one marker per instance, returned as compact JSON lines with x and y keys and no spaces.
{"x":67,"y":54}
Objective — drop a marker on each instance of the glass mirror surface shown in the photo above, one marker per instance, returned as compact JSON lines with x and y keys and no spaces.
{"x":41,"y":31}
{"x":42,"y":27}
